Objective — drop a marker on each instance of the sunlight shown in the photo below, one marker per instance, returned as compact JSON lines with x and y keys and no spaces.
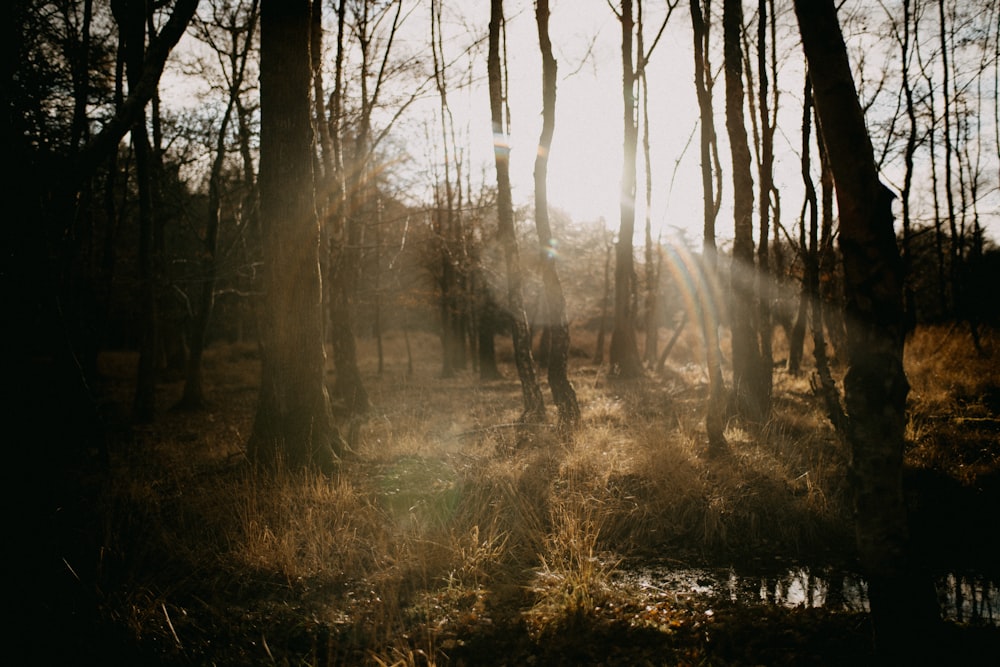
{"x":584,"y":174}
{"x":699,"y":289}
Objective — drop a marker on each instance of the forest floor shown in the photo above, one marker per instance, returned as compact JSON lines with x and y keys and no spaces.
{"x":445,"y":541}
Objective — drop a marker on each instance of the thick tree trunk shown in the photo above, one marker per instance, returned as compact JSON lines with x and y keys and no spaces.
{"x":750,"y":391}
{"x":557,"y":325}
{"x":902,"y":605}
{"x":293,"y":420}
{"x":534,"y":405}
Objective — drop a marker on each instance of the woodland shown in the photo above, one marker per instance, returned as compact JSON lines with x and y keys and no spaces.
{"x":314,"y":361}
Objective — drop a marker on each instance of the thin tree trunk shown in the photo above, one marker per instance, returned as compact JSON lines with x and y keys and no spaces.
{"x":534,"y":405}
{"x":650,"y":309}
{"x":716,"y":404}
{"x":132,"y":22}
{"x":557,"y":325}
{"x":942,"y":263}
{"x":955,"y":255}
{"x":750,"y":391}
{"x":194,"y":393}
{"x":833,"y":313}
{"x":798,"y":337}
{"x":765,"y":283}
{"x":909,"y":299}
{"x":624,"y":353}
{"x":605,"y":306}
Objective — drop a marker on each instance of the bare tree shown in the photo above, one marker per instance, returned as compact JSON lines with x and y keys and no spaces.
{"x":712,"y":189}
{"x":875,"y":387}
{"x":131,"y":18}
{"x":624,"y":353}
{"x":750,"y":391}
{"x":766,"y":189}
{"x":237,"y":25}
{"x":562,"y":390}
{"x":534,"y":406}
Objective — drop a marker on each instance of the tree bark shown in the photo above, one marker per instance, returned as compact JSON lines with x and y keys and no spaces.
{"x":765,"y":282}
{"x":194,"y":393}
{"x":902,"y":605}
{"x":796,"y":341}
{"x":534,"y":405}
{"x":293,"y":420}
{"x":131,"y":19}
{"x":557,"y":325}
{"x":708,"y":311}
{"x":624,"y":352}
{"x":750,"y":391}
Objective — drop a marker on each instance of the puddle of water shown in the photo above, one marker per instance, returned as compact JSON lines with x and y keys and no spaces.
{"x":963,"y":598}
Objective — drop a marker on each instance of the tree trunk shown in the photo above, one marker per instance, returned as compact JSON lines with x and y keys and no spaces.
{"x":624,"y":353}
{"x":605,"y":301}
{"x":352,"y":190}
{"x":765,"y":282}
{"x":534,"y":405}
{"x":194,"y":393}
{"x":955,"y":254}
{"x":556,"y":323}
{"x":293,"y":420}
{"x":708,"y":312}
{"x":909,"y":298}
{"x":131,"y":18}
{"x":750,"y":391}
{"x":902,"y":605}
{"x":797,"y":340}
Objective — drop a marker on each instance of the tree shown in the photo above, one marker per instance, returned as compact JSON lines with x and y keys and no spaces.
{"x":875,"y":387}
{"x":534,"y":405}
{"x":131,"y":18}
{"x":141,"y":90}
{"x":796,"y":341}
{"x":651,"y":307}
{"x":237,"y":24}
{"x":356,"y":201}
{"x":715,"y":413}
{"x":751,"y":391}
{"x":293,"y":420}
{"x":624,"y":353}
{"x":448,"y":216}
{"x":562,"y":391}
{"x":768,"y":124}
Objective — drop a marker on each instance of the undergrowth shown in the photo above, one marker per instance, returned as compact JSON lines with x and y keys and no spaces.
{"x":442,"y":538}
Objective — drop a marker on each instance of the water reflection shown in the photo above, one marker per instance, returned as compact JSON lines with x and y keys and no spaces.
{"x":963,"y":598}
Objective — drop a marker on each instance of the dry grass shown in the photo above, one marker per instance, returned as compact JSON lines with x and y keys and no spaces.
{"x":442,"y":527}
{"x":954,"y":402}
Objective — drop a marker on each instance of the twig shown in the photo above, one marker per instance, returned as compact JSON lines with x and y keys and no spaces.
{"x":170,"y":625}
